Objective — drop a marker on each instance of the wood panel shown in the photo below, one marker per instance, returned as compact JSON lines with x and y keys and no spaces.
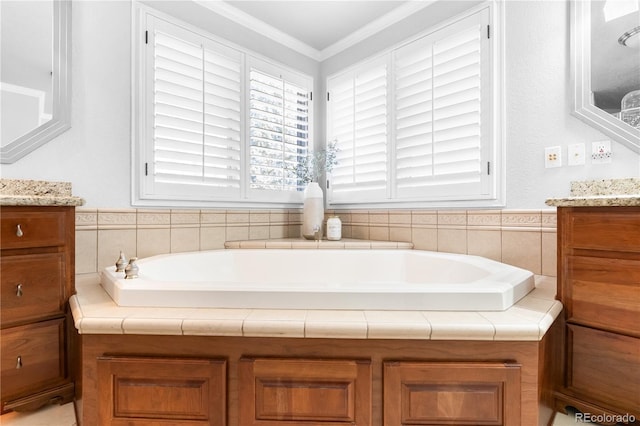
{"x":32,"y":357}
{"x":535,"y":407}
{"x":39,"y":228}
{"x":306,"y":391}
{"x":606,"y":367}
{"x":145,"y":391}
{"x":32,"y":287}
{"x":604,"y":293}
{"x":435,"y":393}
{"x":610,"y":229}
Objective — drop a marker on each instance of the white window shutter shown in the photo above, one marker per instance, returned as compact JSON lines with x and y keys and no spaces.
{"x":440,"y":101}
{"x":357,"y":111}
{"x":195,"y":124}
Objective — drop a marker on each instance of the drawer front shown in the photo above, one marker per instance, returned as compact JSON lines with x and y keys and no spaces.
{"x":438,"y":393}
{"x":31,"y":357}
{"x":304,"y":391}
{"x":24,"y":229}
{"x":604,"y":293}
{"x":32,"y":286}
{"x":172,"y":391}
{"x":605,"y":367}
{"x":616,"y":229}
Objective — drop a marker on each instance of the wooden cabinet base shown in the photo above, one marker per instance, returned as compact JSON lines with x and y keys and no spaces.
{"x":327,"y":382}
{"x":57,"y":395}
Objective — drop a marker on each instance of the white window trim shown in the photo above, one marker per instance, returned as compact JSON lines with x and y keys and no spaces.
{"x":497,"y":197}
{"x":140,"y":119}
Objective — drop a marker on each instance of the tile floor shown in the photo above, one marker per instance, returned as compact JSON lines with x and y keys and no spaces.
{"x":64,"y":415}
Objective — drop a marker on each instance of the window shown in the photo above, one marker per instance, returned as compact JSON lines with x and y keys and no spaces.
{"x":415,"y":124}
{"x":220,"y":125}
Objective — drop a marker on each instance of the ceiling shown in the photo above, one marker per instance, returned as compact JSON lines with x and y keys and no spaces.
{"x":316,"y":28}
{"x":318,"y":24}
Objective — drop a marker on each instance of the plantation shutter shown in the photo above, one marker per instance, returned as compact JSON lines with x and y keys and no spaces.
{"x":196,"y":116}
{"x":441,"y":97}
{"x":357,"y":120}
{"x":279,"y":130}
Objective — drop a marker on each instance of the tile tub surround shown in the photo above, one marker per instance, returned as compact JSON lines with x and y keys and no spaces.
{"x":601,"y":193}
{"x":94,"y":312}
{"x":523,"y":238}
{"x":23,"y":192}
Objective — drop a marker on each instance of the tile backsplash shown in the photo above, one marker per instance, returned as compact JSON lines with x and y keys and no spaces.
{"x":524,"y":238}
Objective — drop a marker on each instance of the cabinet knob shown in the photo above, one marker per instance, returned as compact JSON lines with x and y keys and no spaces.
{"x":19,"y":290}
{"x":19,"y":362}
{"x":19,"y":232}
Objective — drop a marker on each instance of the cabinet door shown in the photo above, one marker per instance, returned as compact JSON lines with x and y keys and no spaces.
{"x":32,"y":287}
{"x":424,"y":393}
{"x":604,"y":367}
{"x":32,"y":357}
{"x":277,"y":392}
{"x":145,"y":391}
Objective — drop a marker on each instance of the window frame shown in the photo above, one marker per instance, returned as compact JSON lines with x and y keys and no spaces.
{"x":142,"y":120}
{"x":496,"y":186}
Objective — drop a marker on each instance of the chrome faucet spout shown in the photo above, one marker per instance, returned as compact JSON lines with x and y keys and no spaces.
{"x":316,"y":233}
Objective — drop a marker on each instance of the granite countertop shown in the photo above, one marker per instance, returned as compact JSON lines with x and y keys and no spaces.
{"x":22,"y":192}
{"x":94,"y":312}
{"x":601,"y":193}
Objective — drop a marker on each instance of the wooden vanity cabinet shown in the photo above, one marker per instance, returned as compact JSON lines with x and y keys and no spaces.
{"x":36,"y":281}
{"x":599,"y":285}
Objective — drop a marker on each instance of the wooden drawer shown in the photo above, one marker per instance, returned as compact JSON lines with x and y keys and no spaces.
{"x":137,"y":391}
{"x":31,"y":357}
{"x":304,"y":391}
{"x":32,"y":286}
{"x":24,"y":229}
{"x":438,"y":393}
{"x":604,"y":293}
{"x":604,"y":367}
{"x":613,"y":229}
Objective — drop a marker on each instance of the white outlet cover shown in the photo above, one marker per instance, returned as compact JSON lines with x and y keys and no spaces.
{"x":576,"y":154}
{"x":601,"y":152}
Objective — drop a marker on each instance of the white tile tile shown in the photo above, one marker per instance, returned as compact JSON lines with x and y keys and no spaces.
{"x":50,"y":415}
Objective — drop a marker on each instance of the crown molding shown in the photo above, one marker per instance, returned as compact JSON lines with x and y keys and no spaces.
{"x":375,"y":26}
{"x":238,"y":16}
{"x":242,"y":18}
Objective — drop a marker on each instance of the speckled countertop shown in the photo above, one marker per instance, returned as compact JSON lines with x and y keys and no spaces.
{"x":24,"y":192}
{"x":601,"y":193}
{"x":94,"y":312}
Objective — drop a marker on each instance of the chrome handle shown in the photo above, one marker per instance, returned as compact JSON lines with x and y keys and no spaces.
{"x":19,"y":232}
{"x":19,"y":363}
{"x":19,"y":290}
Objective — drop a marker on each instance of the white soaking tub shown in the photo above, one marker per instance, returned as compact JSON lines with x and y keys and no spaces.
{"x":320,"y":279}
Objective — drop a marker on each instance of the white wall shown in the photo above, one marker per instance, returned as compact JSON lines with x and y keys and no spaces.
{"x":95,"y":153}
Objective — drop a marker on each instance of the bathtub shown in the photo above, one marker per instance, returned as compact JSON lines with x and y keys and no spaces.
{"x":320,"y":279}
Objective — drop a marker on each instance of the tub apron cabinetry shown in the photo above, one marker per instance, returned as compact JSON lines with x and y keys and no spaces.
{"x":599,"y":285}
{"x":238,"y":381}
{"x":37,"y":262}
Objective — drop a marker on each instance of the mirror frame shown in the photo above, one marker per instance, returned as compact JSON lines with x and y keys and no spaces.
{"x":61,"y":81}
{"x":583,"y":106}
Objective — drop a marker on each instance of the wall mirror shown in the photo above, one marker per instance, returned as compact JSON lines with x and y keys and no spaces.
{"x":605,"y":64}
{"x":35,"y":73}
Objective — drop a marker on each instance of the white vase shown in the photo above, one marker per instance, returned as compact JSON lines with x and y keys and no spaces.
{"x":313,"y":212}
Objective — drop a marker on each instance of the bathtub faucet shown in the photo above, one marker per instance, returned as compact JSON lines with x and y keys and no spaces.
{"x":316,"y":233}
